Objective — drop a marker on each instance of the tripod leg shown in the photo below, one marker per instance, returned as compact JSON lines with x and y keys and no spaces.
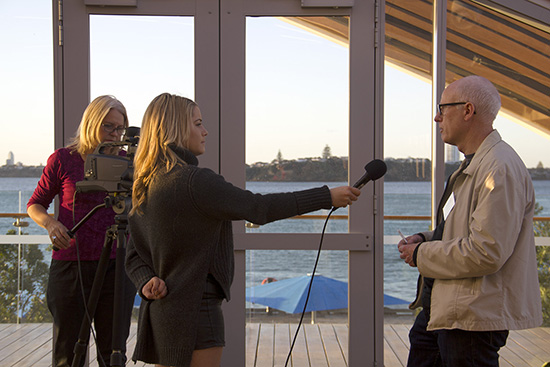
{"x":81,"y":344}
{"x":119,"y":312}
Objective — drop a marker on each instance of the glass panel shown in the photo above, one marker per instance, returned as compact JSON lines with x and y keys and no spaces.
{"x":515,"y":56}
{"x":26,"y":84}
{"x":24,"y":269}
{"x":136,"y":58}
{"x":297,"y":109}
{"x":407,"y":144}
{"x":24,"y":273}
{"x":297,"y":137}
{"x":277,"y":285}
{"x":26,"y":141}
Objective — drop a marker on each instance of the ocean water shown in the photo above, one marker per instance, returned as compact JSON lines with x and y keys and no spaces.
{"x":15,"y":192}
{"x":400,"y":198}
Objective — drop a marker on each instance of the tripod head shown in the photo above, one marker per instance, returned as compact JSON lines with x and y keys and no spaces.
{"x":120,"y":203}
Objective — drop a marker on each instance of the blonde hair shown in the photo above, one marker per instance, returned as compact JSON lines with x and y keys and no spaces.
{"x":166,"y":121}
{"x":87,"y":136}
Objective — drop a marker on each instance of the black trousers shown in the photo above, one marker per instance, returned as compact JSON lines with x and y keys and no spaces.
{"x":453,"y":348}
{"x":64,"y":296}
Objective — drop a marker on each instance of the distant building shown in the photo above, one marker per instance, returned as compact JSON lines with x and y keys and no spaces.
{"x":11,"y":159}
{"x":451,"y":153}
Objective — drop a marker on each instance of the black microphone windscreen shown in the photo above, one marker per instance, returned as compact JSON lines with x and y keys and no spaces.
{"x":376,"y":169}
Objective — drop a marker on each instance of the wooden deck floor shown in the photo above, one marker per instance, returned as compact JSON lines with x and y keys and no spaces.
{"x":267,"y":345}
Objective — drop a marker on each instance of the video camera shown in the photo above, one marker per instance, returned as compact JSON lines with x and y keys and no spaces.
{"x":111,"y":173}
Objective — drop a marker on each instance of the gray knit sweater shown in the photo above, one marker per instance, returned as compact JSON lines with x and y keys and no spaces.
{"x":183,"y":234}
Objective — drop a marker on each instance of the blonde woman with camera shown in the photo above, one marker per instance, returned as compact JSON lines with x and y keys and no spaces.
{"x":104,"y":120}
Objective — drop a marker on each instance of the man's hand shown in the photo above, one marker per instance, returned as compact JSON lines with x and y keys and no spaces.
{"x":407,"y":246}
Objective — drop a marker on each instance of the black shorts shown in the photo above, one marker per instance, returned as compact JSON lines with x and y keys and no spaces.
{"x":211,"y":332}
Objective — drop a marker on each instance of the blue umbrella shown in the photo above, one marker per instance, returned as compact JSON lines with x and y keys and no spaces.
{"x":289,"y":295}
{"x":137,"y":300}
{"x":391,"y":300}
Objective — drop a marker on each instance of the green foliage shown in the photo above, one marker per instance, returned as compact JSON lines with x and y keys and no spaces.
{"x":34,"y":278}
{"x":321,"y":169}
{"x":542,"y":229}
{"x":333,"y":169}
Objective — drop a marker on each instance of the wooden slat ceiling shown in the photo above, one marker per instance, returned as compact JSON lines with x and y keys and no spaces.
{"x":513,"y":55}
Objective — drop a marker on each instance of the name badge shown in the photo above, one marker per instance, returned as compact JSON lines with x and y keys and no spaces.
{"x":449,"y":205}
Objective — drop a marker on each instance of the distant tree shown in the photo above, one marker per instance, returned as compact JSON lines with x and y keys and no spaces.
{"x":326,"y":152}
{"x":542,"y":229}
{"x":279,"y":158}
{"x":34,"y":271}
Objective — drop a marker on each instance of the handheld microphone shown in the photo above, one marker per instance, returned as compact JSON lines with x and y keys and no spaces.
{"x":374,"y":170}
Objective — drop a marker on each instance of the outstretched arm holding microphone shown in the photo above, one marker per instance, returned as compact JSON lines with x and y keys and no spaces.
{"x":180,"y":255}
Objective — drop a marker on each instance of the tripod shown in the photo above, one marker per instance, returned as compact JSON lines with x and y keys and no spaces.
{"x":118,"y":231}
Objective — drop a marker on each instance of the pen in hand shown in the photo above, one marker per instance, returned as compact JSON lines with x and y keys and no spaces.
{"x":402,"y":236}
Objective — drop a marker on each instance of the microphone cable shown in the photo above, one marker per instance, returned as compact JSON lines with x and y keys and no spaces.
{"x":310,"y":284}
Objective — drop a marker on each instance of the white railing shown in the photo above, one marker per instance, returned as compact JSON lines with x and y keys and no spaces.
{"x":25,"y":239}
{"x":20,"y":240}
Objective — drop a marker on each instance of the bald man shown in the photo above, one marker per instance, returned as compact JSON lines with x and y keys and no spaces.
{"x":478,"y":273}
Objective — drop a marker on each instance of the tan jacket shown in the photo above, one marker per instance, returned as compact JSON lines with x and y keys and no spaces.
{"x":485,"y":267}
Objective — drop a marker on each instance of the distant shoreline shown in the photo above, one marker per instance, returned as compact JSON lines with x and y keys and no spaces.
{"x":333,"y":169}
{"x":21,"y":171}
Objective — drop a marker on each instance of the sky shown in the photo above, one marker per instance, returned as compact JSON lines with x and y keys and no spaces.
{"x":289,"y":108}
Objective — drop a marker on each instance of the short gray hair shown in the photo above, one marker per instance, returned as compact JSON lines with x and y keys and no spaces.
{"x":482,"y":93}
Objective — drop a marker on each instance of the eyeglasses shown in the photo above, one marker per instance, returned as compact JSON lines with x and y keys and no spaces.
{"x":440,"y":109}
{"x":109,"y":128}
